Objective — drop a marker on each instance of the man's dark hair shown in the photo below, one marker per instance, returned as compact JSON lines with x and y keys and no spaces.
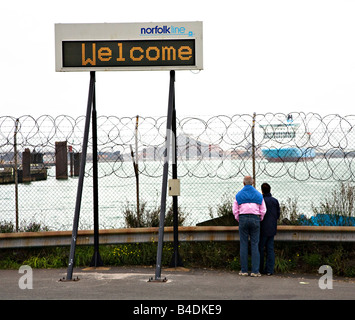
{"x":265,"y":188}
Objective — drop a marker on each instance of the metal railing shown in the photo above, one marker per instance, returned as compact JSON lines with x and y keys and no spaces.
{"x":139,"y":235}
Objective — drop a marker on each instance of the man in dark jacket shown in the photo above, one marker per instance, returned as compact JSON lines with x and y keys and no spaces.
{"x":268,"y":230}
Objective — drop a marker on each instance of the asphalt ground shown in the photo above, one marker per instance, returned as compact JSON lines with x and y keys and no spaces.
{"x":131,"y":283}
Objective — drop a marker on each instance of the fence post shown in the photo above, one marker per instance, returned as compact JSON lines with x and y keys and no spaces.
{"x":175,"y":259}
{"x":136,"y":170}
{"x":16,"y":173}
{"x":96,"y":259}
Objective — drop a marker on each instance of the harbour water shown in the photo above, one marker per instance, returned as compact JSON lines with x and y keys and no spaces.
{"x":205,"y":184}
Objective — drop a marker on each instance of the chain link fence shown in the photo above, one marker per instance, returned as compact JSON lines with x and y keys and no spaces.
{"x":304,"y":157}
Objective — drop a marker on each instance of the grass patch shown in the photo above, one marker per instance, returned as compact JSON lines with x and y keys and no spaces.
{"x":289,"y":256}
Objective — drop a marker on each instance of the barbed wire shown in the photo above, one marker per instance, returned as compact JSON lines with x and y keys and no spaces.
{"x":298,"y":145}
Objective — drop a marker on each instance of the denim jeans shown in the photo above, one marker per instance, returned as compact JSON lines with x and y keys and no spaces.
{"x":249,"y":225}
{"x":268,"y":244}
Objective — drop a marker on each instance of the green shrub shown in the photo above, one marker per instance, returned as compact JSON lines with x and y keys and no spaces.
{"x":289,"y":211}
{"x":149,"y":218}
{"x":6,"y":227}
{"x":341,"y":201}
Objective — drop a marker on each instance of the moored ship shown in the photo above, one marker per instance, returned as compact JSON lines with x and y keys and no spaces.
{"x":284,"y":134}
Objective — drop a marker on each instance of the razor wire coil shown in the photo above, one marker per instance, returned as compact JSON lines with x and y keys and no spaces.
{"x":221,"y":146}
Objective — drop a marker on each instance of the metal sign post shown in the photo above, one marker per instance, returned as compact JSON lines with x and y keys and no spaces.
{"x":165,"y":180}
{"x":96,"y":258}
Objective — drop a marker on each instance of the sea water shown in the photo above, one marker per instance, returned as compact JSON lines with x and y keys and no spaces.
{"x":205,"y":184}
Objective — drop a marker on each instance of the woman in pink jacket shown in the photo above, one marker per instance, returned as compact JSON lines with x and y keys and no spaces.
{"x":249,"y":209}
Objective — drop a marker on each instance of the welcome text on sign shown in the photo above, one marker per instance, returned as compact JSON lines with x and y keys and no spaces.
{"x":128,"y":53}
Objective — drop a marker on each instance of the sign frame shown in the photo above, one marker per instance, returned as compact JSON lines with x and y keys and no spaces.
{"x":112,"y":32}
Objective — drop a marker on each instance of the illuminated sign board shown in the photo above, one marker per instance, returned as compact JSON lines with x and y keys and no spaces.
{"x":136,"y":46}
{"x":128,"y":53}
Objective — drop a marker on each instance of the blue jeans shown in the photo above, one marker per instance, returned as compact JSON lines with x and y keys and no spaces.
{"x":249,"y":225}
{"x":267,"y":244}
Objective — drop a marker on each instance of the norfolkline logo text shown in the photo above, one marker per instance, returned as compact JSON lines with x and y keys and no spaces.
{"x":166,"y":30}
